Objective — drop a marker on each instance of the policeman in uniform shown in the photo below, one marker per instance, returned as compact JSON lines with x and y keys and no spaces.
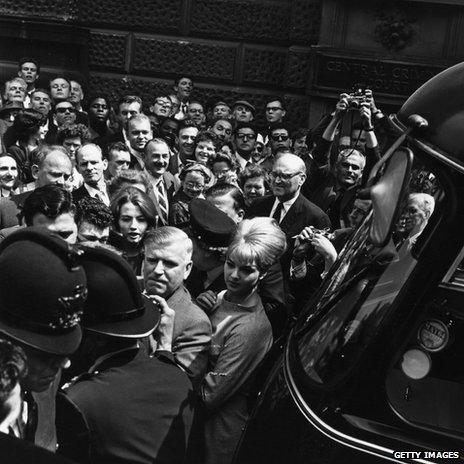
{"x":128,"y":407}
{"x":42,"y":290}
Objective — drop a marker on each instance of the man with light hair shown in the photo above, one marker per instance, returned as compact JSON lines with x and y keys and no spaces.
{"x":15,"y":90}
{"x":414,"y":217}
{"x":167,"y":263}
{"x":92,"y":166}
{"x":138,"y":134}
{"x":50,"y":165}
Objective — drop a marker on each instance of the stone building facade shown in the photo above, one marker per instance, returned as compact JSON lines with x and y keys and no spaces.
{"x":237,"y":48}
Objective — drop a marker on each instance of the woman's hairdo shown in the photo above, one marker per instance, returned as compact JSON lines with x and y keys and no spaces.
{"x":259,"y":240}
{"x":199,"y":168}
{"x":138,"y":198}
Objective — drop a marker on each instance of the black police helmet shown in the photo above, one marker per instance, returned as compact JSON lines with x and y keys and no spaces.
{"x":42,"y":291}
{"x":115,"y":305}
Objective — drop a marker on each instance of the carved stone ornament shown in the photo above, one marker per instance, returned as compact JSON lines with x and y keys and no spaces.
{"x":394,"y":29}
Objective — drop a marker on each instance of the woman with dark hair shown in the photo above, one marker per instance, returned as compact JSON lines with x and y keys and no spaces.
{"x":134,"y":215}
{"x":253,"y":182}
{"x":98,"y":110}
{"x":205,"y":147}
{"x":128,"y":178}
{"x":22,"y":138}
{"x":194,"y":180}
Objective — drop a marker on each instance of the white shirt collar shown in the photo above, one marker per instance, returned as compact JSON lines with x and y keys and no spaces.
{"x":99,"y":192}
{"x":242,"y":161}
{"x":286,"y":205}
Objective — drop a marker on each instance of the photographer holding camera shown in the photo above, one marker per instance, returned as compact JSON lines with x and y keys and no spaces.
{"x":333,"y":185}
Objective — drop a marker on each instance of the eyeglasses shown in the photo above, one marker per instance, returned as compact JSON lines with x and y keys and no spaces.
{"x":195,"y":110}
{"x":192,"y":185}
{"x":64,"y":110}
{"x":273,"y":108}
{"x":163,"y":103}
{"x":280,"y":137}
{"x":283,"y":176}
{"x":246,"y":136}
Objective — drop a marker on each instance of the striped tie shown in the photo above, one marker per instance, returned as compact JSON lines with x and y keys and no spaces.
{"x":163,"y":204}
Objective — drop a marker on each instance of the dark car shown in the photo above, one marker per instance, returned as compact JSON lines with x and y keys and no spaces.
{"x":373,"y":370}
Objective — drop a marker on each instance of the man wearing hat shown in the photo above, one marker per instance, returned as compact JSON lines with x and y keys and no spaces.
{"x":7,"y":114}
{"x":211,"y":232}
{"x":40,"y":308}
{"x":168,"y":262}
{"x":243,"y":111}
{"x":127,"y":406}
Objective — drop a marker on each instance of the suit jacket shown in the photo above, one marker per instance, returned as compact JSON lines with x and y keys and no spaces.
{"x":171,"y":184}
{"x":80,"y":193}
{"x":301,"y":214}
{"x":131,"y":408}
{"x":11,"y":209}
{"x":191,"y":335}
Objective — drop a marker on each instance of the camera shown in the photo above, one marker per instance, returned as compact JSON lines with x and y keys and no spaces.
{"x":324,"y":232}
{"x":355,"y":99}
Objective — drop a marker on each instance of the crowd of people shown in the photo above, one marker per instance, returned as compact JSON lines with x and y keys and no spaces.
{"x":153,"y":251}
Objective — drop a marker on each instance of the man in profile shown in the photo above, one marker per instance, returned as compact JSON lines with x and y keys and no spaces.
{"x":168,"y":262}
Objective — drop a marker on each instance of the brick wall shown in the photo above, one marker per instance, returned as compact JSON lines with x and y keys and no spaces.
{"x":237,"y":48}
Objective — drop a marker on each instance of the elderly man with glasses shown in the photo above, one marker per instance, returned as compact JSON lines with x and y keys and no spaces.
{"x":287,"y":205}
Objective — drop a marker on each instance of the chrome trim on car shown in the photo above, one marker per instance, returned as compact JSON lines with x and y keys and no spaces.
{"x":333,"y":434}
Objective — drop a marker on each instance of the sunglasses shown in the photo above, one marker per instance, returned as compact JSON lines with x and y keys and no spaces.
{"x":280,"y":138}
{"x":64,"y":110}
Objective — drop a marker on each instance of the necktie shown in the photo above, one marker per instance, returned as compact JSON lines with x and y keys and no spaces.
{"x":162,"y":202}
{"x":278,"y":212}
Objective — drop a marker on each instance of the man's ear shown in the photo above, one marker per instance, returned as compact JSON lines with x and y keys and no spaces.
{"x":188,"y":269}
{"x":105,"y":164}
{"x":35,"y":171}
{"x":241,"y":215}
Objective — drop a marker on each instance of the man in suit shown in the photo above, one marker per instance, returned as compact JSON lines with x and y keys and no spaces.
{"x":164,"y":184}
{"x":168,"y":262}
{"x":128,"y":106}
{"x":126,"y":406}
{"x":287,"y":205}
{"x":92,"y":166}
{"x":139,"y":132}
{"x":51,"y":165}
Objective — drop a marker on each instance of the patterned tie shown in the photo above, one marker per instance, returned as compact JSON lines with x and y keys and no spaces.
{"x":162,"y":202}
{"x":278,"y":212}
